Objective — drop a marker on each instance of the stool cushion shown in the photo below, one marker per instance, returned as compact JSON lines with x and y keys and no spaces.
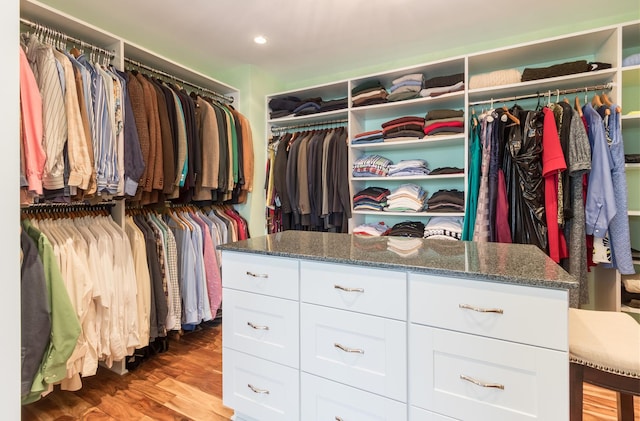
{"x":605,"y":340}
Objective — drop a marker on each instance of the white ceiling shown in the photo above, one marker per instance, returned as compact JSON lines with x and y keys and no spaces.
{"x":311,"y":38}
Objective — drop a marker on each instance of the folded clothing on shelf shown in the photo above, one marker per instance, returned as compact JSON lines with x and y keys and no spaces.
{"x":562,"y":69}
{"x":444,"y":227}
{"x":371,"y":166}
{"x":407,"y":229}
{"x":446,"y":201}
{"x":495,"y":78}
{"x":372,"y":229}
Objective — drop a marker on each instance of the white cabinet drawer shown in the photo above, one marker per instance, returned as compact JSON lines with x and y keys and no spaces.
{"x":530,"y":315}
{"x":267,"y":275}
{"x":364,"y":351}
{"x":324,"y":399}
{"x":263,"y":326}
{"x":445,"y":364}
{"x":365,"y":290}
{"x":419,"y":414}
{"x":258,"y":388}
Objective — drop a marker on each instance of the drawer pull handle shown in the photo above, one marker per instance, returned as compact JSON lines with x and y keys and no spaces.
{"x":258,"y":275}
{"x":348,"y":289}
{"x":481,"y":310}
{"x":481,"y":384}
{"x":258,"y":327}
{"x":352,"y":350}
{"x":256,"y":390}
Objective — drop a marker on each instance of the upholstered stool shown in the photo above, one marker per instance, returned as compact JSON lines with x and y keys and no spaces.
{"x":604,"y":350}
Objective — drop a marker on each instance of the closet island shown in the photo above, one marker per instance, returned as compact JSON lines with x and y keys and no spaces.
{"x":338,"y":326}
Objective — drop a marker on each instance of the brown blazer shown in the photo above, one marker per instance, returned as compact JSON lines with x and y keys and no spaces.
{"x":137,"y":98}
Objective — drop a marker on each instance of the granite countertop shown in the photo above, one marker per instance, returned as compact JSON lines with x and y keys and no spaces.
{"x":497,"y":262}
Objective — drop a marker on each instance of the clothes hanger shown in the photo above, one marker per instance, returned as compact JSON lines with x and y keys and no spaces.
{"x":596,"y":102}
{"x":577,"y":106}
{"x":511,"y":117}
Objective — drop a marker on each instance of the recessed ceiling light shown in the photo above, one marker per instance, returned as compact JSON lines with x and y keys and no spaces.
{"x":260,"y":40}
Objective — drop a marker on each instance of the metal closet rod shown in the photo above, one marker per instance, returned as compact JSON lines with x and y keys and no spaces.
{"x":302,"y":126}
{"x":607,"y":86}
{"x":37,"y":26}
{"x":225,"y":98}
{"x":65,"y":207}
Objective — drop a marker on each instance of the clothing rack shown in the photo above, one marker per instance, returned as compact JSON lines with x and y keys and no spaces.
{"x":302,"y":126}
{"x":607,"y":86}
{"x":66,"y":207}
{"x":218,"y":95}
{"x":67,"y":38}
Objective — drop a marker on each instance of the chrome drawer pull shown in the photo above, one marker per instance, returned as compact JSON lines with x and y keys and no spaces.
{"x":352,"y":350}
{"x":348,"y":289}
{"x":258,"y":275}
{"x":481,"y":384}
{"x":257,"y":327}
{"x":256,"y":390}
{"x":481,"y":310}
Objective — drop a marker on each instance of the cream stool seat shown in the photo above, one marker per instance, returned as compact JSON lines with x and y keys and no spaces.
{"x":604,"y":349}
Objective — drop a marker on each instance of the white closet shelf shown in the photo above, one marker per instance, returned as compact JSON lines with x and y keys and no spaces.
{"x":407,"y":178}
{"x":579,"y":80}
{"x":632,"y":166}
{"x":634,"y":213}
{"x":457,"y":139}
{"x":417,"y":105}
{"x":408,"y":214}
{"x":307,"y":119}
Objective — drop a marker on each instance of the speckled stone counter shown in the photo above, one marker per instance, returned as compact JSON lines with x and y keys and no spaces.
{"x":495,"y":262}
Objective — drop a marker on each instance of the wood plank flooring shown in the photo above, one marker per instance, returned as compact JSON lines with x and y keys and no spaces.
{"x":185,"y":383}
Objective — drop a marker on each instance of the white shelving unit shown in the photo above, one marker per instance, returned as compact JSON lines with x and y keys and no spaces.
{"x":42,"y":14}
{"x":608,"y":44}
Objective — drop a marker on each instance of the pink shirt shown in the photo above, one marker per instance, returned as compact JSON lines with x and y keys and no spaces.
{"x":31,"y":109}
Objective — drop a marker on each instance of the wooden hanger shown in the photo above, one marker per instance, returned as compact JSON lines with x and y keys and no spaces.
{"x":596,"y":102}
{"x":608,"y":103}
{"x":513,"y":118}
{"x":577,"y":106}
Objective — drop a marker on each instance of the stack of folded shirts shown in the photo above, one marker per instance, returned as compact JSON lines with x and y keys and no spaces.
{"x":446,"y":201}
{"x":403,"y":128}
{"x":371,"y":198}
{"x":371,"y":166}
{"x":406,"y":87}
{"x":373,"y":136}
{"x":413,"y":229}
{"x":447,"y":170}
{"x":334,"y":104}
{"x":409,"y":167}
{"x":308,"y":106}
{"x":443,"y":122}
{"x":283,"y":106}
{"x":406,"y":198}
{"x":368,"y":93}
{"x":404,"y":246}
{"x":444,"y":227}
{"x":632,"y":60}
{"x":443,"y":85}
{"x":372,"y":230}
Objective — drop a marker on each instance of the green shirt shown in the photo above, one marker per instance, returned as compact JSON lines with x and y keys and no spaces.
{"x":65,"y":326}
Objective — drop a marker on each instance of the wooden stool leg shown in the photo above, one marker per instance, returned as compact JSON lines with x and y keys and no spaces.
{"x":576,"y":376}
{"x":625,"y":406}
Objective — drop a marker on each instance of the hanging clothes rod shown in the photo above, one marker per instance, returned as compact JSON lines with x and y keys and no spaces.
{"x":302,"y":126}
{"x":607,"y":86}
{"x":67,"y":38}
{"x":66,"y":207}
{"x":225,"y":98}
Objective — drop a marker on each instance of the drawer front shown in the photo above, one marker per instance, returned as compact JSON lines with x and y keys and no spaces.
{"x":275,"y":276}
{"x":372,"y":291}
{"x":419,"y":414}
{"x":363,"y":351}
{"x":324,"y":399}
{"x":446,"y":365}
{"x":263,"y":326}
{"x":256,"y":388}
{"x":529,"y":315}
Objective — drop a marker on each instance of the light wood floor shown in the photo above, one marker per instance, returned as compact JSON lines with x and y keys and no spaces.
{"x":185,"y":383}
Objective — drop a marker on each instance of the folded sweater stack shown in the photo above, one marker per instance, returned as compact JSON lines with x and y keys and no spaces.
{"x":409,"y":167}
{"x":440,"y":85}
{"x":369,"y":93}
{"x":403,"y":128}
{"x":373,"y":136}
{"x":371,"y":198}
{"x":406,"y":87}
{"x":444,"y":227}
{"x":413,"y":229}
{"x":443,"y":122}
{"x":406,"y":198}
{"x":446,"y":201}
